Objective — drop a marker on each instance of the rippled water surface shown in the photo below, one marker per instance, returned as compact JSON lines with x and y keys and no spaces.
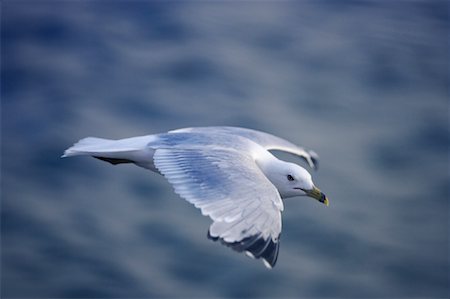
{"x":364,"y":84}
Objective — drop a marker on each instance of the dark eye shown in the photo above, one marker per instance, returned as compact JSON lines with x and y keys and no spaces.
{"x":290,"y":177}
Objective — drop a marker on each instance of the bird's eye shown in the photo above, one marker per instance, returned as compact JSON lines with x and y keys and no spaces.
{"x":290,"y":177}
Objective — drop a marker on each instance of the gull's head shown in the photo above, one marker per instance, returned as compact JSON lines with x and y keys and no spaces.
{"x":293,"y":180}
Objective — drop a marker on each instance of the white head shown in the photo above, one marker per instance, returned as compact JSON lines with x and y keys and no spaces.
{"x":292,"y":180}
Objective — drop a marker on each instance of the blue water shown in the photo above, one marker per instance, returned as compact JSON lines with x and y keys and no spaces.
{"x":364,"y":84}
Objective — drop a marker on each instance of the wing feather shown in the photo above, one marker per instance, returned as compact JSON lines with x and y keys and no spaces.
{"x":227,"y":186}
{"x":268,"y":141}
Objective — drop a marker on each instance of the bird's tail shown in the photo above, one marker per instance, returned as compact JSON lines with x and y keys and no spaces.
{"x":89,"y":146}
{"x":129,"y":150}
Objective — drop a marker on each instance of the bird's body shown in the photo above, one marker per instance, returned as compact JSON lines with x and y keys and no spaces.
{"x":227,"y":172}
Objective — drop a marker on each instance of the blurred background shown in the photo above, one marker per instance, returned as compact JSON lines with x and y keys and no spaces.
{"x":364,"y":84}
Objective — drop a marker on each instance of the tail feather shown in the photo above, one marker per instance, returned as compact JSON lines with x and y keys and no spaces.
{"x":94,"y":145}
{"x":88,"y":146}
{"x":128,"y":150}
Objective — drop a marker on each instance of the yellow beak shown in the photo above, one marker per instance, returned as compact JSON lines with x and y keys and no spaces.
{"x":318,"y":195}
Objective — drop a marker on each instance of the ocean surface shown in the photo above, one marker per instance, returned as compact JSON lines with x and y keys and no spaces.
{"x":363,"y":83}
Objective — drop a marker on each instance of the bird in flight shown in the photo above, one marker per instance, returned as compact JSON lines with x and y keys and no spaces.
{"x":228,"y":173}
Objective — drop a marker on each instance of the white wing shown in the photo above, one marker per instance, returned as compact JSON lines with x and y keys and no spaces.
{"x":227,"y":186}
{"x":267,"y":141}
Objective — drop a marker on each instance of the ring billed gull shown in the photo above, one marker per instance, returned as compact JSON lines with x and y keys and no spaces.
{"x":226,"y":172}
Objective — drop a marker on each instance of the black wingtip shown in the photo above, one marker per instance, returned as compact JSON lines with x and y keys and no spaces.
{"x":254,"y":246}
{"x":314,"y":159}
{"x":208,"y":235}
{"x":315,"y":163}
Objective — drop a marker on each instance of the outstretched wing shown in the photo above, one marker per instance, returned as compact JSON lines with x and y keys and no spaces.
{"x":268,"y":141}
{"x":229,"y":187}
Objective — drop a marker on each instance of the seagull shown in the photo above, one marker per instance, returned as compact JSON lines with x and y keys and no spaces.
{"x":228,"y":173}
